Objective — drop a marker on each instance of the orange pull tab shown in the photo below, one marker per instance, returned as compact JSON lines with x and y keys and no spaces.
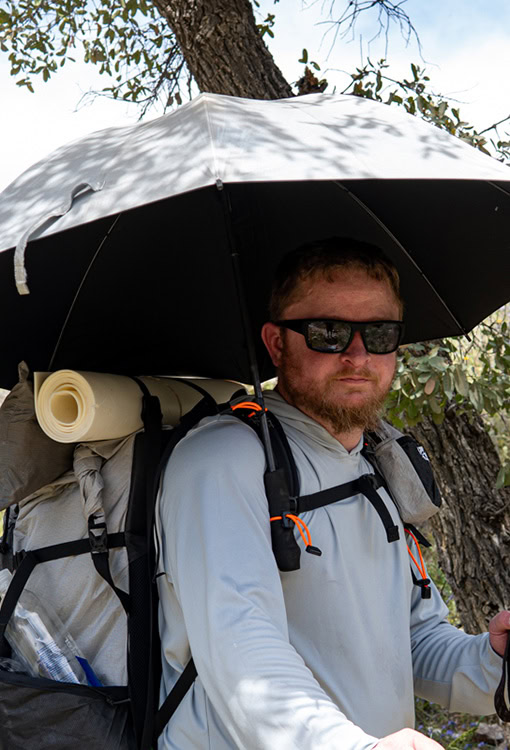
{"x":303,"y":530}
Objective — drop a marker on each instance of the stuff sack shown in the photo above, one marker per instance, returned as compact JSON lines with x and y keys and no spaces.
{"x":21,"y":438}
{"x":406,"y":468}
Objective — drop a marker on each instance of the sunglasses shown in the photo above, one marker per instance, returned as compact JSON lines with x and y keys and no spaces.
{"x":335,"y":336}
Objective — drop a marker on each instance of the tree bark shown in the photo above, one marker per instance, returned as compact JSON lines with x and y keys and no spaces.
{"x":472,"y":529}
{"x":223,"y":48}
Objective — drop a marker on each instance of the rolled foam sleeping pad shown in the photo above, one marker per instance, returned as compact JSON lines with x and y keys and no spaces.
{"x":74,"y":406}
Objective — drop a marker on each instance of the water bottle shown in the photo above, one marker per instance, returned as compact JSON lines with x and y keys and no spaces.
{"x":39,"y":641}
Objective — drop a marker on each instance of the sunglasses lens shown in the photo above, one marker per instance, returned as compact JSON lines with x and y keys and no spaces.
{"x":381,"y":338}
{"x":328,"y":335}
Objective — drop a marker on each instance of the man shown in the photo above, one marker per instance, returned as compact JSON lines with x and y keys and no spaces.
{"x":328,"y":656}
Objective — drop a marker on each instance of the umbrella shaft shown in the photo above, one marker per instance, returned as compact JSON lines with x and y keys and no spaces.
{"x":246,"y":322}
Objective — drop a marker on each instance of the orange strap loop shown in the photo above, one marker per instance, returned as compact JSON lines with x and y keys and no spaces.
{"x":420,"y":565}
{"x":303,"y":528}
{"x":248,"y":405}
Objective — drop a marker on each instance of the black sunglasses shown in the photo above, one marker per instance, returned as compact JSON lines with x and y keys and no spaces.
{"x":335,"y":336}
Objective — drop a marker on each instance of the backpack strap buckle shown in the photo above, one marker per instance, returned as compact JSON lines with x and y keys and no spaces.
{"x":98,"y":537}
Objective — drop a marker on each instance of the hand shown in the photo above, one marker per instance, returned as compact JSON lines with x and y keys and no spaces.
{"x":498,"y":631}
{"x":407,"y":739}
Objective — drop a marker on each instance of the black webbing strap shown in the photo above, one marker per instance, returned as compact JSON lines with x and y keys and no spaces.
{"x":500,"y":704}
{"x":284,"y":456}
{"x":143,"y":638}
{"x":326,"y":497}
{"x":98,"y":538}
{"x":175,"y":696}
{"x":368,"y":484}
{"x":28,"y":560}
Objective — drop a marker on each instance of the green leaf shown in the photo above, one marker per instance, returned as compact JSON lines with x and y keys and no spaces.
{"x":304,"y":57}
{"x":435,"y":405}
{"x":461,"y":383}
{"x":438,"y":363}
{"x":503,"y":478}
{"x":448,"y":384}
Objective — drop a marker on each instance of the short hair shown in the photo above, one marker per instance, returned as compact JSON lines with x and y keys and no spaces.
{"x":323,"y":258}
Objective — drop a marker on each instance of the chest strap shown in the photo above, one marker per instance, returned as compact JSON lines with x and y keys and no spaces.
{"x":367,"y":485}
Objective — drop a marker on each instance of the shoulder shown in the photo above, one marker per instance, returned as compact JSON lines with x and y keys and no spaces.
{"x":219,"y":440}
{"x":217,"y":468}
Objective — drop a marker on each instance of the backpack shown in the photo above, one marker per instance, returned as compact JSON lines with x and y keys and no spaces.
{"x":126,"y":716}
{"x":101,"y":561}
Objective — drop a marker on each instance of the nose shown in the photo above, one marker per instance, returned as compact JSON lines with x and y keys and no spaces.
{"x":356,"y":352}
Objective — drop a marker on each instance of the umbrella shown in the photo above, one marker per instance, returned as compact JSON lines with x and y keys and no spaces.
{"x":128,"y":235}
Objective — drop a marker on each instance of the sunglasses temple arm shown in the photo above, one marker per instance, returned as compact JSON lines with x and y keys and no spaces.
{"x":246,"y":323}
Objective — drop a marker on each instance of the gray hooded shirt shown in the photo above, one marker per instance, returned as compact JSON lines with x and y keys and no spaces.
{"x":328,"y":656}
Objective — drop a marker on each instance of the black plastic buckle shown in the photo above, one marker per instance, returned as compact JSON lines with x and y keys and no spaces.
{"x":293,"y":505}
{"x":424,"y":584}
{"x":99,"y":541}
{"x":393,"y":534}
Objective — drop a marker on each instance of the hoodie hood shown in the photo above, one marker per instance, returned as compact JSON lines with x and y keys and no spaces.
{"x":309,"y":429}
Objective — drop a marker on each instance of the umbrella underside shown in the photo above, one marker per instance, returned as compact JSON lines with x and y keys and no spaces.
{"x":159,"y":297}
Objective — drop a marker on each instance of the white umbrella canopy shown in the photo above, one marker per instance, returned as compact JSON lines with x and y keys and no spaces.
{"x":129,"y":218}
{"x":317,"y":137}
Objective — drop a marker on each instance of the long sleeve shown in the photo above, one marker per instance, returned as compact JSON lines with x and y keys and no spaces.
{"x":217,"y":555}
{"x":456,"y":670}
{"x":328,"y":656}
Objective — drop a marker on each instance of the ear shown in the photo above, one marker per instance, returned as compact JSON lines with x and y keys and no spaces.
{"x":272,"y":338}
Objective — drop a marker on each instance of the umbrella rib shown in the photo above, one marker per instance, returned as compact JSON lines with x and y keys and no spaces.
{"x":498,"y":187}
{"x":402,"y":248}
{"x":84,"y":278}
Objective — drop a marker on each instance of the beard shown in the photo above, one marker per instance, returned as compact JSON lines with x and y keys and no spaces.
{"x":321,"y":402}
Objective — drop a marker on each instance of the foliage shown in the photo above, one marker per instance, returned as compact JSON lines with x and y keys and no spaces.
{"x":469,"y":374}
{"x":266,"y":26}
{"x":452,"y":731}
{"x":372,"y":82}
{"x":127,"y":39}
{"x":436,"y":574}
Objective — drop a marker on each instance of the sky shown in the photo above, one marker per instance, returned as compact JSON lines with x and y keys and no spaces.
{"x":465,"y":46}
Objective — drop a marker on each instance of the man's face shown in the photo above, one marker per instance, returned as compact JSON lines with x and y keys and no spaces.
{"x":345,"y":391}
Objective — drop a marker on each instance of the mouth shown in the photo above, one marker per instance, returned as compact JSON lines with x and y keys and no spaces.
{"x":354,"y":379}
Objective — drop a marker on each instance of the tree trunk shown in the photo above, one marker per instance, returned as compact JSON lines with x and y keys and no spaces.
{"x":223,"y":48}
{"x":472,"y":529}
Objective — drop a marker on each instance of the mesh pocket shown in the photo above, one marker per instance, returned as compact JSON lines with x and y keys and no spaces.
{"x":38,"y":714}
